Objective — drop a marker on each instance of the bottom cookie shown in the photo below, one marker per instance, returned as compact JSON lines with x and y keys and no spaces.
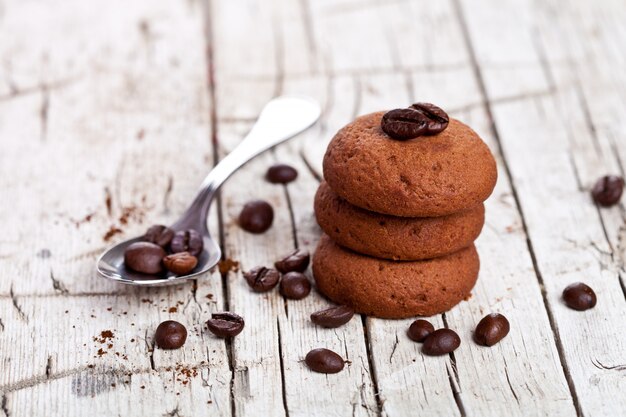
{"x":391,"y":289}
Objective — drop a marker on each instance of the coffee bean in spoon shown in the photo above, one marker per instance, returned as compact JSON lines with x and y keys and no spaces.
{"x":262,"y":279}
{"x":333,"y":317}
{"x":579,"y":296}
{"x":256,"y":216}
{"x":419,"y":330}
{"x":297,"y":260}
{"x":491,"y":329}
{"x":180,"y":263}
{"x":144,"y":257}
{"x":170,"y":335}
{"x":159,"y":235}
{"x":187,"y":241}
{"x":441,"y":342}
{"x":225,"y":324}
{"x":324,"y":361}
{"x":281,"y":174}
{"x":295,"y":286}
{"x":608,"y":190}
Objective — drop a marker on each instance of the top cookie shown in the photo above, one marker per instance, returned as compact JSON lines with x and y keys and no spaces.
{"x":423,"y":177}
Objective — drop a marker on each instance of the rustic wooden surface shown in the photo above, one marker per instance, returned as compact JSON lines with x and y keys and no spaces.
{"x":112,"y":112}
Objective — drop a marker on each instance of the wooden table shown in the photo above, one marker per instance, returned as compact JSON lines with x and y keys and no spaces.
{"x":112,"y":112}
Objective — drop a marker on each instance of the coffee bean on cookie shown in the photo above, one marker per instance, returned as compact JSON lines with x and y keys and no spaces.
{"x":579,"y":296}
{"x":440,"y":342}
{"x":256,"y":216}
{"x":421,"y":119}
{"x":324,"y":361}
{"x":333,"y":317}
{"x":491,"y":329}
{"x":262,"y":279}
{"x":420,"y":330}
{"x":297,"y":260}
{"x":608,"y":190}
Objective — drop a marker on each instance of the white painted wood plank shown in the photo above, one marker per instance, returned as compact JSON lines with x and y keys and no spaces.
{"x":563,"y":224}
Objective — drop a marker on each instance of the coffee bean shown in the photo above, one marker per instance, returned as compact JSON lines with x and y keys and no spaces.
{"x":608,"y":190}
{"x":225,"y":324}
{"x":297,"y":260}
{"x":333,"y":317}
{"x":180,"y":263}
{"x":579,"y":296}
{"x":159,"y":235}
{"x":262,"y":279}
{"x":256,"y":216}
{"x":295,"y":286}
{"x":170,"y":335}
{"x":281,"y":174}
{"x":421,"y":119}
{"x":144,"y":257}
{"x":437,"y":118}
{"x":440,"y":342}
{"x":419,"y":330}
{"x":324,"y":361}
{"x":491,"y":329}
{"x":187,"y":241}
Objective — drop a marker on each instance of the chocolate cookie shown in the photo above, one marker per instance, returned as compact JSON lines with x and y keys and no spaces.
{"x":423,"y":177}
{"x":389,"y":289}
{"x":391,"y":237}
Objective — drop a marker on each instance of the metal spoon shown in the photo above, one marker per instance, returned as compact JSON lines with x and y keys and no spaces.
{"x":281,"y":119}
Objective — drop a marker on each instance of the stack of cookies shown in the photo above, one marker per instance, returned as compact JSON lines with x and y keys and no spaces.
{"x":400,"y":207}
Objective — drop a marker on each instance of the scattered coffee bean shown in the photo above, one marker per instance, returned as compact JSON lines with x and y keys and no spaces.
{"x":295,"y":286}
{"x":420,"y":119}
{"x":180,"y":263}
{"x":579,"y":296}
{"x":225,"y":324}
{"x":170,"y":335}
{"x":324,"y":361}
{"x":608,"y":190}
{"x":333,"y":317}
{"x":262,"y":279}
{"x":298,"y":260}
{"x":256,"y":216}
{"x":281,"y":174}
{"x":187,"y":241}
{"x":419,"y":330}
{"x":440,"y":342}
{"x":159,"y":235}
{"x":144,"y":257}
{"x":491,"y":329}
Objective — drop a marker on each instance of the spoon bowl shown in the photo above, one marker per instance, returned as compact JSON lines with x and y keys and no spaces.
{"x":282,"y":118}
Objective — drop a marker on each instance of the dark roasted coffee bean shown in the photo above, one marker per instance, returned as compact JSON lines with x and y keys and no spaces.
{"x":180,"y":263}
{"x":159,"y":235}
{"x":262,"y":279}
{"x":298,"y":260}
{"x":256,"y":216}
{"x":225,"y":324}
{"x":324,"y":361}
{"x":419,"y":330}
{"x":491,"y":329}
{"x":333,"y":317}
{"x":579,"y":296}
{"x":295,"y":286}
{"x":170,"y":335}
{"x":187,"y":241}
{"x":440,"y":342}
{"x":281,"y":174}
{"x":144,"y":257}
{"x":608,"y":190}
{"x":437,"y":118}
{"x":404,"y":124}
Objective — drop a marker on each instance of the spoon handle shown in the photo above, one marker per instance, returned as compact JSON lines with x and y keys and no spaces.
{"x":282,"y":118}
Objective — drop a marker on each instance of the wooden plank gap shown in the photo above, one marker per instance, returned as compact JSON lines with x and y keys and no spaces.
{"x":371,"y":366}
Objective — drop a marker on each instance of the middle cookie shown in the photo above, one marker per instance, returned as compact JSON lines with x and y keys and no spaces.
{"x":396,"y":238}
